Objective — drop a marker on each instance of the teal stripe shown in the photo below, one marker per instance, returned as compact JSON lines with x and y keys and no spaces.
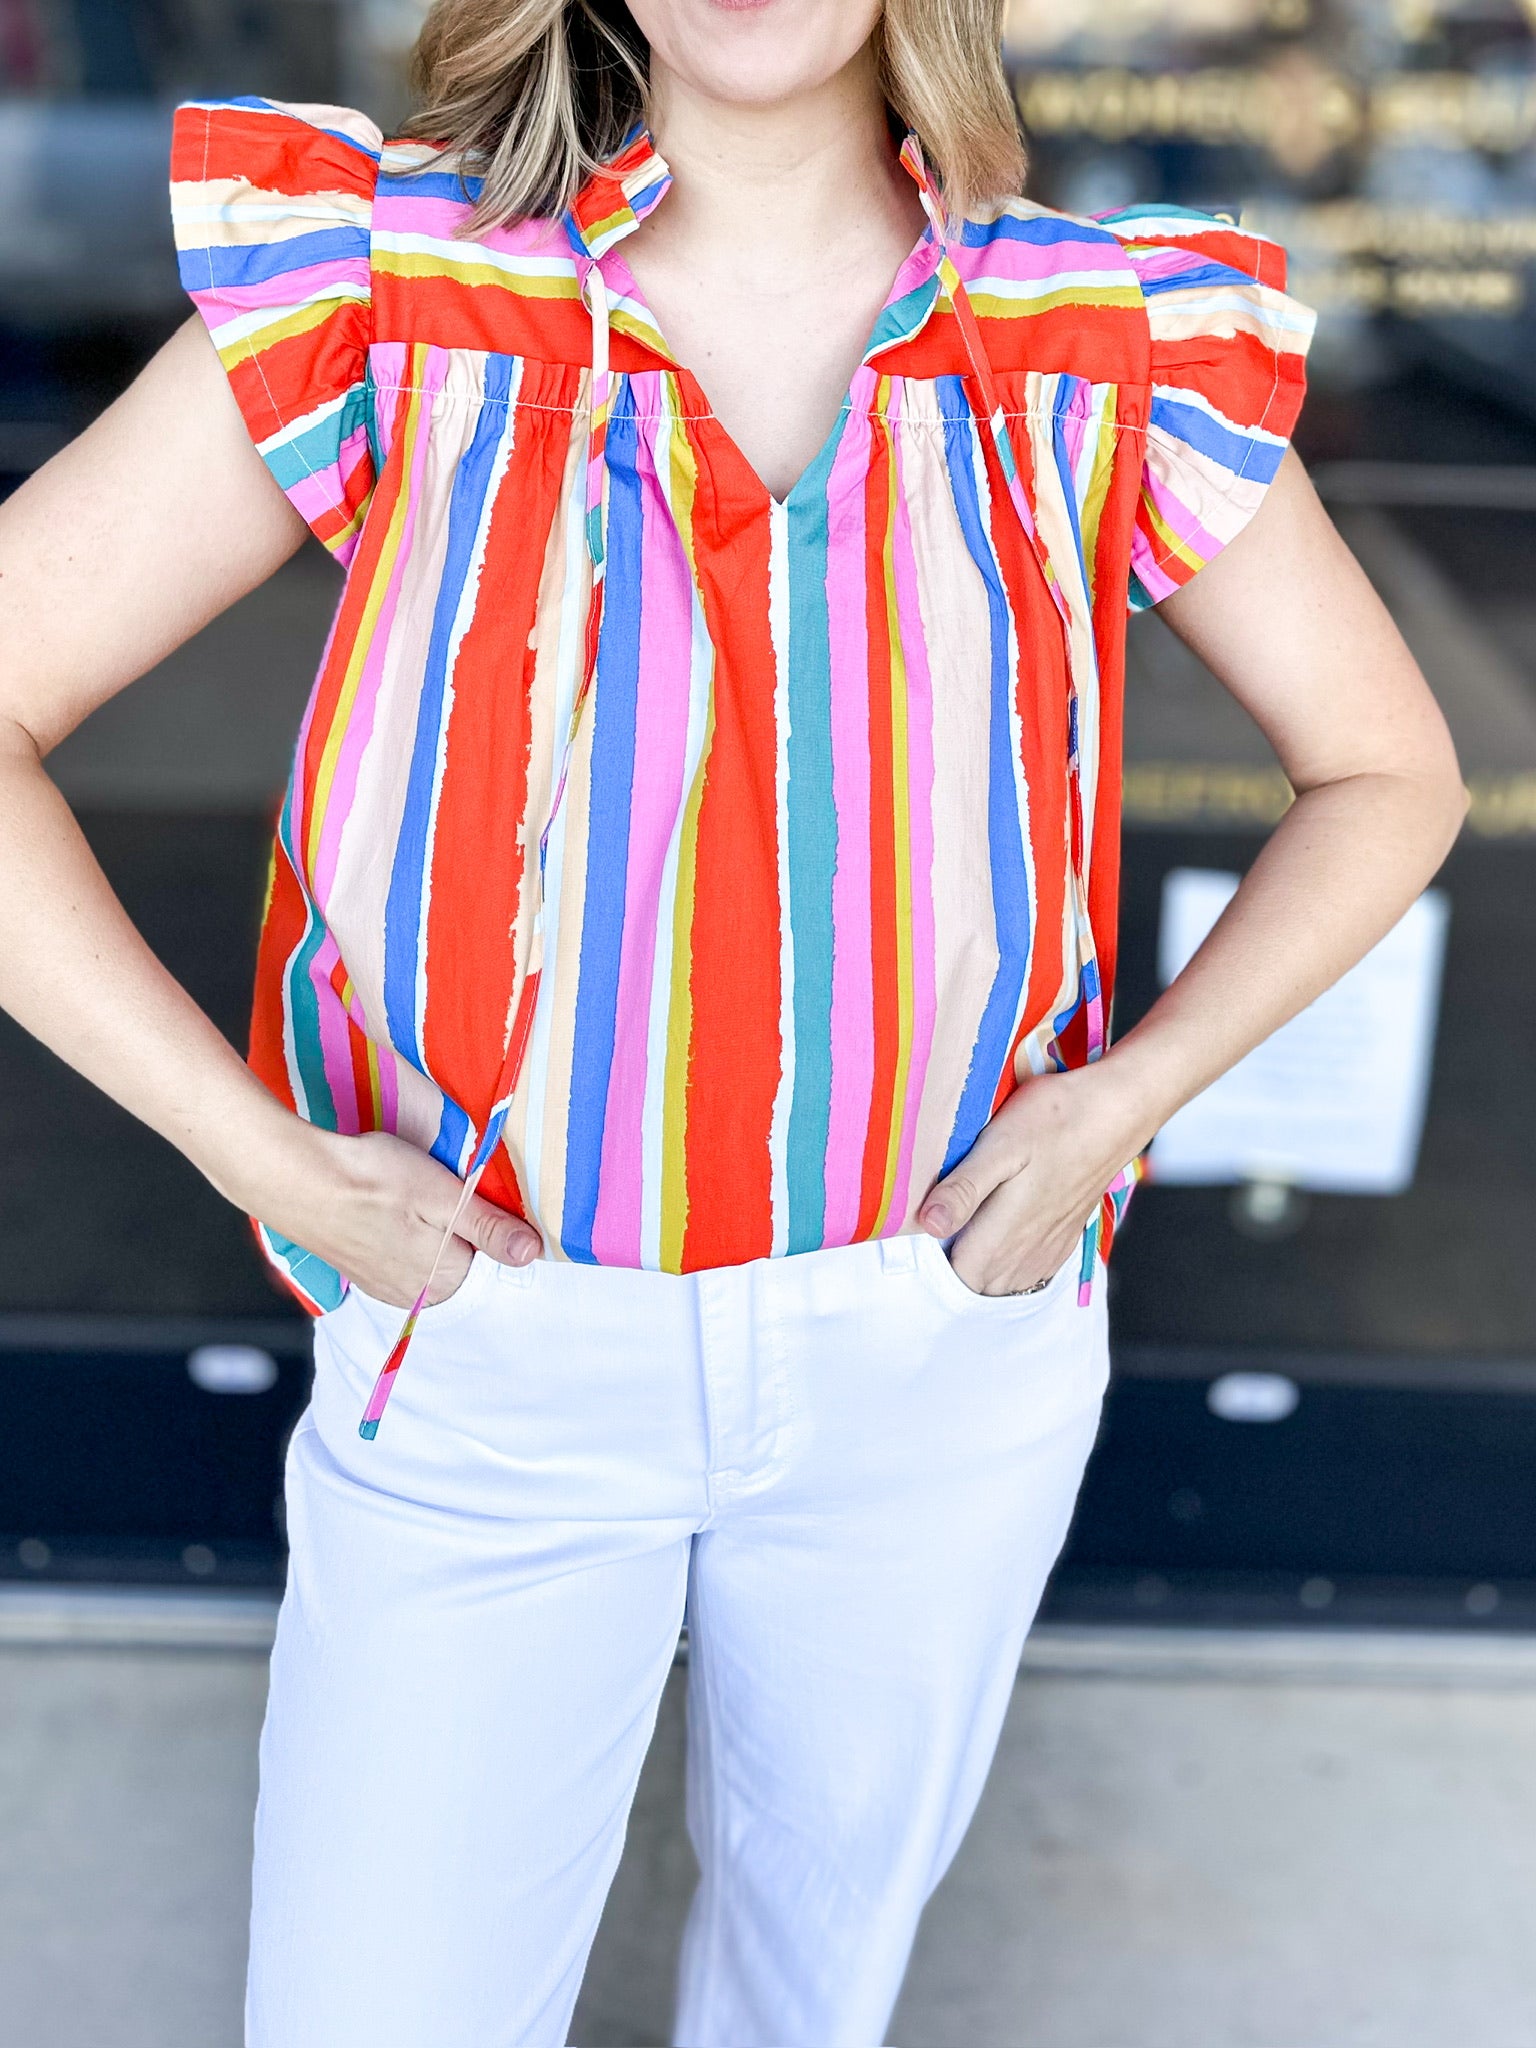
{"x":316,"y":1102}
{"x":322,"y":1283}
{"x":316,"y":447}
{"x":812,"y":834}
{"x":903,"y":319}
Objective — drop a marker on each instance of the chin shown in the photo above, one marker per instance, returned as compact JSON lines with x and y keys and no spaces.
{"x":756,"y":53}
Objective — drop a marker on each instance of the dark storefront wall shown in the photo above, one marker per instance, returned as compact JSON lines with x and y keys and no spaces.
{"x":1393,"y":145}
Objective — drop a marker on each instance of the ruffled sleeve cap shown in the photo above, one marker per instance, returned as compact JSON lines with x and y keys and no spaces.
{"x":1228,"y":375}
{"x":272,"y":208}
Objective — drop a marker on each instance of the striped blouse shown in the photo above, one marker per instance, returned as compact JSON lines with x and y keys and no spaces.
{"x":699,"y":869}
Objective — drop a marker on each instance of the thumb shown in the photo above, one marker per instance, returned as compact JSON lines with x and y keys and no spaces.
{"x":507,"y":1239}
{"x":953,"y":1201}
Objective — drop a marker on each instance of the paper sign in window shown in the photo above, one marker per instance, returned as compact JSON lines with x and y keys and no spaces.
{"x":1335,"y":1100}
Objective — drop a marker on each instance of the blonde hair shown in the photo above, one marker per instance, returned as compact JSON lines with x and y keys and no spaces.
{"x":534,"y":94}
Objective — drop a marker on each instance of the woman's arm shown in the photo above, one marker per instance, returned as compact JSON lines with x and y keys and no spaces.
{"x":133,"y":537}
{"x":1287,"y":621}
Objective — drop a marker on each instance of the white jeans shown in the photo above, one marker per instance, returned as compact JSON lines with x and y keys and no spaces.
{"x":854,"y":1472}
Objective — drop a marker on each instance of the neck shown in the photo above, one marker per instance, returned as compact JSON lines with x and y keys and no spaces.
{"x":807,"y":168}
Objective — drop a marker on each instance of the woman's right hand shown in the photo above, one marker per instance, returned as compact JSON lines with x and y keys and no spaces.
{"x":375,"y":1207}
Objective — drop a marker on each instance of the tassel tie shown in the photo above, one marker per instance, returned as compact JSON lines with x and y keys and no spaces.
{"x":599,"y":406}
{"x":1100,"y":1227}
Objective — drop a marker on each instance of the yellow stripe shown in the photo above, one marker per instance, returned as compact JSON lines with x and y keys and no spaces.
{"x":994,"y":306}
{"x":1173,"y":545}
{"x":901,"y":823}
{"x":375,"y":1093}
{"x":413,"y":263}
{"x":1098,"y":487}
{"x":255,"y":342}
{"x":674,"y":1118}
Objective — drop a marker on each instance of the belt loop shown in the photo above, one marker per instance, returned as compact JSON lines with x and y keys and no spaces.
{"x":898,"y":1254}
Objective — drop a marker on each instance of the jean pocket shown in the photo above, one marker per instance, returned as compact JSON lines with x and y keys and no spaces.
{"x":385,"y":1315}
{"x":934,"y":1263}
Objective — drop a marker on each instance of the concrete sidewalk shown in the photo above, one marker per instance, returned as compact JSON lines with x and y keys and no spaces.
{"x":1187,"y":1841}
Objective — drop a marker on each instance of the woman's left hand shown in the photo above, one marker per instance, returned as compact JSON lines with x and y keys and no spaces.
{"x":1022,"y":1194}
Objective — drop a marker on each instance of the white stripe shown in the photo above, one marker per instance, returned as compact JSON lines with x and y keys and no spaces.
{"x":461,"y":255}
{"x":242,"y":326}
{"x":572,"y":630}
{"x":463,"y":618}
{"x":1025,"y":288}
{"x":778,"y":627}
{"x":240,"y":207}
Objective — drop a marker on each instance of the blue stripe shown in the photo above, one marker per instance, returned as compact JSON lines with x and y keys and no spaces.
{"x":1068,"y":480}
{"x":453,"y":1134}
{"x":405,"y":907}
{"x":221,"y":267}
{"x":429,"y":184}
{"x":643,"y":200}
{"x":614,"y":694}
{"x":1039,"y":229}
{"x":1197,"y":271}
{"x":1010,"y":878}
{"x":1243,"y":454}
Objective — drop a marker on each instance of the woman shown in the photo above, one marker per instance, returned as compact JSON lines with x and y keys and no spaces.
{"x":690,"y":939}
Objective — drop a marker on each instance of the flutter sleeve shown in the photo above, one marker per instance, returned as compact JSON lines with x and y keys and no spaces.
{"x":272,"y":207}
{"x":1229,"y":350}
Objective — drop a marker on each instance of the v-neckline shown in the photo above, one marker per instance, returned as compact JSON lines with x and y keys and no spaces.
{"x":921,"y":259}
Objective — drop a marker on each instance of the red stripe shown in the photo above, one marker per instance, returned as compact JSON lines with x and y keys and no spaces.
{"x":282,"y":930}
{"x":484,"y":838}
{"x":734,"y":1066}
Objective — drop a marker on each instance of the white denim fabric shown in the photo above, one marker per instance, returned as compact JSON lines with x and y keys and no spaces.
{"x":847,"y":1471}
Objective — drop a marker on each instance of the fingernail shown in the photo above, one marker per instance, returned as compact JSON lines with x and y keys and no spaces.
{"x":527,"y":1251}
{"x":935,"y":1219}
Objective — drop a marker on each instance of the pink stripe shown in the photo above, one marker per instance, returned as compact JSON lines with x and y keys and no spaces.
{"x":1074,"y":428}
{"x":359,"y":728}
{"x":1157,"y":264}
{"x":388,"y":361}
{"x":661,"y":721}
{"x":325,"y":490}
{"x":389,"y":1090}
{"x":438,"y":218}
{"x":318,"y":494}
{"x":852,"y":1024}
{"x":399,"y":213}
{"x":287,"y":287}
{"x":1015,"y":262}
{"x":1176,"y":512}
{"x":910,"y":626}
{"x":335,"y":1039}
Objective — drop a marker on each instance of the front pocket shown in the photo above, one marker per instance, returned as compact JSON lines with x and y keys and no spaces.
{"x":933,"y":1261}
{"x":436,"y":1315}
